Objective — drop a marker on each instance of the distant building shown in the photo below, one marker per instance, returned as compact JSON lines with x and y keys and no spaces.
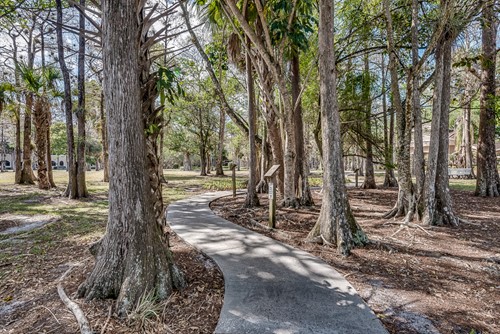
{"x":58,"y":161}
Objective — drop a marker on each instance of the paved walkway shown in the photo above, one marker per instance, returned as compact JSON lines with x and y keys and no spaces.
{"x":270,"y":287}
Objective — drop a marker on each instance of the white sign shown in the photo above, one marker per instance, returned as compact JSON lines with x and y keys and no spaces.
{"x":271,"y":190}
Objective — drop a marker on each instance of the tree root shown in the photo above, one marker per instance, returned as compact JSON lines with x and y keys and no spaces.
{"x":83,"y":323}
{"x":406,"y":225}
{"x":77,"y":311}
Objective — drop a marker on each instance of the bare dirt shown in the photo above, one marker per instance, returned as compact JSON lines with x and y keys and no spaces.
{"x":445,"y":282}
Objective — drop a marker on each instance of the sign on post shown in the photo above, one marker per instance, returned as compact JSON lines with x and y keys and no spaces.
{"x":233,"y":175}
{"x":271,"y":177}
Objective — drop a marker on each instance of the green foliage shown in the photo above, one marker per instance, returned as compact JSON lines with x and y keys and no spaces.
{"x":59,"y":143}
{"x":168,"y":84}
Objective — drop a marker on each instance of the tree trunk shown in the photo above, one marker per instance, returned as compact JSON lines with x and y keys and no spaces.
{"x":18,"y":162}
{"x":369,"y":182}
{"x":187,"y":162}
{"x":133,"y":258}
{"x":488,"y":180}
{"x":49,"y":150}
{"x":336,"y":224}
{"x":26,"y":169}
{"x":389,"y":179}
{"x":414,"y":103}
{"x":203,"y":160}
{"x":438,"y":204}
{"x":71,"y":190}
{"x":406,"y":202}
{"x":219,"y":171}
{"x":252,"y":199}
{"x":40,"y":119}
{"x":303,"y":190}
{"x":264,"y":165}
{"x":467,"y":136}
{"x":80,"y":113}
{"x":104,"y":139}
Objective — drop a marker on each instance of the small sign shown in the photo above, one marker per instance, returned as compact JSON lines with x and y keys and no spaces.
{"x":272,"y":171}
{"x":271,"y":190}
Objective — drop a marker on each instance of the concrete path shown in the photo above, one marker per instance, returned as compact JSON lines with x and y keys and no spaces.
{"x":270,"y":287}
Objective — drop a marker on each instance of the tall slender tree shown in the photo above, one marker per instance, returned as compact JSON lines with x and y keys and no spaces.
{"x":336,"y":223}
{"x":488,"y":180}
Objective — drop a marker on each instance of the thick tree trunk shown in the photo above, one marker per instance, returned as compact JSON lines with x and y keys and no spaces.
{"x":438,"y":204}
{"x":104,"y":139}
{"x":488,"y":180}
{"x":80,"y":113}
{"x":389,"y":179}
{"x":71,"y":190}
{"x":40,"y":119}
{"x":251,"y":199}
{"x":18,"y":162}
{"x":133,"y":257}
{"x":369,"y":182}
{"x":336,"y":224}
{"x":406,"y":202}
{"x":26,"y":169}
{"x":303,"y":190}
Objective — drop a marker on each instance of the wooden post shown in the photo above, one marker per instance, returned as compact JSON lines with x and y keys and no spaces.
{"x":356,"y":176}
{"x":233,"y":175}
{"x":271,"y":177}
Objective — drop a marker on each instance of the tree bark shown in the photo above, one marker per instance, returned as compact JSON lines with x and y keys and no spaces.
{"x":26,"y":169}
{"x":80,"y":112}
{"x":40,"y":118}
{"x":219,"y":171}
{"x":104,"y":139}
{"x":18,"y":162}
{"x":438,"y":203}
{"x":252,"y":199}
{"x":406,"y":202}
{"x":187,"y":162}
{"x":133,"y":257}
{"x":414,"y":102}
{"x":389,"y":179}
{"x":488,"y":180}
{"x":303,"y":190}
{"x":369,"y":182}
{"x":336,"y":224}
{"x":71,"y":190}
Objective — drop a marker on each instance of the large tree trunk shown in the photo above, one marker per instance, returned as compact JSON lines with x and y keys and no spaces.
{"x":488,"y":180}
{"x":18,"y":163}
{"x":389,"y":179}
{"x":80,"y":113}
{"x":132,"y":258}
{"x":251,"y":199}
{"x":71,"y":190}
{"x":336,"y":224}
{"x":40,"y":119}
{"x":438,"y":204}
{"x":369,"y":182}
{"x":303,"y":190}
{"x":406,"y":202}
{"x":203,"y":160}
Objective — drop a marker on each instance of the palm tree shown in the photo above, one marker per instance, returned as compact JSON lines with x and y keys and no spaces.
{"x":41,"y":83}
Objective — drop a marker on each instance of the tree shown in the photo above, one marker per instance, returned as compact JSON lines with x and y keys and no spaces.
{"x":132,"y":258}
{"x":72,"y":188}
{"x":336,"y":224}
{"x":488,"y":180}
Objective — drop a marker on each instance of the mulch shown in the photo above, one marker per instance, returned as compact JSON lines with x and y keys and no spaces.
{"x":445,"y":282}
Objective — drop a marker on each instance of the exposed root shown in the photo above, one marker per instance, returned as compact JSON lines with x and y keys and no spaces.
{"x":103,"y":330}
{"x":72,"y":306}
{"x":405,"y":225}
{"x":83,"y":323}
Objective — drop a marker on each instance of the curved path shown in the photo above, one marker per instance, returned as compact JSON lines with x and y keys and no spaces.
{"x":270,"y":287}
